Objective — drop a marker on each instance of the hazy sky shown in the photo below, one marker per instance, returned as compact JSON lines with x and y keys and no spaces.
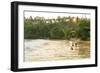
{"x":54,"y":15}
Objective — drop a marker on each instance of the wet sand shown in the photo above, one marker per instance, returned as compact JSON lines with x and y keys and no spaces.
{"x":46,"y":50}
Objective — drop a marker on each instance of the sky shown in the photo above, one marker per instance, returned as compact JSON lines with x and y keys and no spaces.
{"x":50,"y":15}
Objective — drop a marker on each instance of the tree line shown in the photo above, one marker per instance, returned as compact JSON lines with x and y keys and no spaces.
{"x":57,"y":28}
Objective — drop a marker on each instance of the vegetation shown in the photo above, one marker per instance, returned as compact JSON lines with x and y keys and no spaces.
{"x":57,"y":28}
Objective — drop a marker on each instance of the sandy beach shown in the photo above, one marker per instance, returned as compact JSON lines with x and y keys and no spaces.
{"x":44,"y":50}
